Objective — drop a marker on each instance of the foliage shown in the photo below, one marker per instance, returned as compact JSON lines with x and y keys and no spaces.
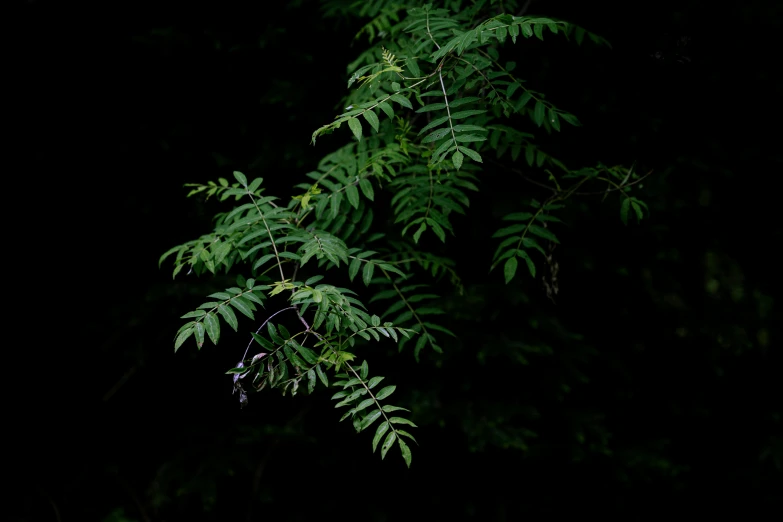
{"x":431,"y":104}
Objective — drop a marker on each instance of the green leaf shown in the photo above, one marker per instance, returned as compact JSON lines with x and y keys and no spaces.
{"x":506,"y":231}
{"x":435,"y":136}
{"x":385,"y":107}
{"x":229,"y":316}
{"x":198,"y":328}
{"x":554,"y":120}
{"x":183,"y":336}
{"x":530,"y":265}
{"x":464,"y":114}
{"x":353,"y":269}
{"x":570,"y":118}
{"x":263,"y":342}
{"x":638,"y":209}
{"x":379,"y":433}
{"x":472,"y":154}
{"x":457,"y":159}
{"x":372,"y":119}
{"x":321,"y":375}
{"x":367,"y":273}
{"x":419,"y":232}
{"x":518,"y":216}
{"x":406,"y":452}
{"x":353,"y":195}
{"x":432,"y":107}
{"x":434,"y":123}
{"x":470,"y":138}
{"x":240,"y":178}
{"x":370,"y":418}
{"x":364,"y":370}
{"x":530,"y":154}
{"x":356,"y":127}
{"x":243,"y":306}
{"x":624,"y":207}
{"x":543,"y":232}
{"x":364,"y":404}
{"x":385,"y":392}
{"x":387,"y":444}
{"x":522,"y":101}
{"x":539,"y":112}
{"x":336,"y":199}
{"x":367,"y":189}
{"x":463,"y":101}
{"x":389,"y":408}
{"x":212,"y":325}
{"x":510,"y":268}
{"x":402,"y":100}
{"x":374,"y":382}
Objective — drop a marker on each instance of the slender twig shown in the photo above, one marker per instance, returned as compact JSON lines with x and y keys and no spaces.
{"x":264,"y":324}
{"x":119,"y":384}
{"x":524,"y":8}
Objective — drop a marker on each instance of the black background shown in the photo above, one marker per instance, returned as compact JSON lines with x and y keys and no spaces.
{"x":114,"y":108}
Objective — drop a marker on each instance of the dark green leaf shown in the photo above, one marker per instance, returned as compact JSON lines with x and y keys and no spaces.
{"x":624,"y":207}
{"x":465,"y":114}
{"x":543,"y":232}
{"x":367,"y":273}
{"x":539,"y":112}
{"x":472,"y":154}
{"x":510,"y":268}
{"x":432,"y":107}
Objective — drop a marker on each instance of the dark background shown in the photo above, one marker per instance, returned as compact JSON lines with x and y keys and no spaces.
{"x":652,"y":386}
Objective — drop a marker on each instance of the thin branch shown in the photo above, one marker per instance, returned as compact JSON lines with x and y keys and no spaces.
{"x":524,"y":8}
{"x":264,"y":324}
{"x":119,"y":384}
